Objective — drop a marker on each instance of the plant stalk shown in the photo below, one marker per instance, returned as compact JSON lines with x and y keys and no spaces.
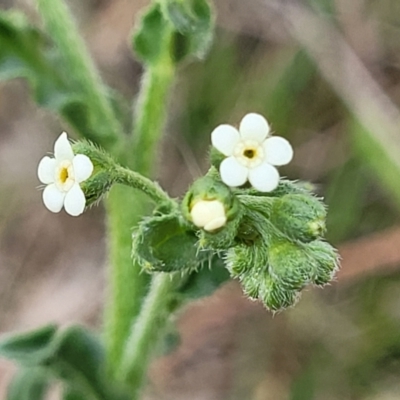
{"x":128,"y":284}
{"x":146,"y":330}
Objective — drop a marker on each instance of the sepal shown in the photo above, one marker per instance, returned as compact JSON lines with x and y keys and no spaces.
{"x":163,"y":243}
{"x":103,"y":175}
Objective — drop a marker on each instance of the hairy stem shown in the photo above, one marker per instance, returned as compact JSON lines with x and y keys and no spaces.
{"x":128,"y":284}
{"x":135,"y":180}
{"x":146,"y":330}
{"x":150,"y":114}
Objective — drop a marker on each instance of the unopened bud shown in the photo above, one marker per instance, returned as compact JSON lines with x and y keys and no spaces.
{"x":275,"y":297}
{"x":326,"y":261}
{"x":290,"y":264}
{"x":208,"y":214}
{"x":299,"y":216}
{"x":211,"y":206}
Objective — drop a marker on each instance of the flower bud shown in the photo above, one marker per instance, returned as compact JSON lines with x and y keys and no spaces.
{"x":208,"y":214}
{"x":299,"y":216}
{"x":274,"y":296}
{"x":211,"y":206}
{"x":325,"y":260}
{"x":246,"y":259}
{"x":290,"y":265}
{"x":251,"y":284}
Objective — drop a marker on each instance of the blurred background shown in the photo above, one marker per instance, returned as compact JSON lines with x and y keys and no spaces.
{"x":326,"y":74}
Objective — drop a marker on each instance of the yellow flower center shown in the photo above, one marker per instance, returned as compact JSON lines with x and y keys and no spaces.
{"x":249,"y":153}
{"x":65,"y":177}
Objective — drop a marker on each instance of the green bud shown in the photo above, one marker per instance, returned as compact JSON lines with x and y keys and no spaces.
{"x":251,"y":284}
{"x":209,"y":205}
{"x":299,"y":216}
{"x":245,"y":259}
{"x":325,"y":261}
{"x":274,"y":296}
{"x":290,"y":265}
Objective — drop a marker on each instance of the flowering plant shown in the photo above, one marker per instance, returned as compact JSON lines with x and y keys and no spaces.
{"x":266,"y":231}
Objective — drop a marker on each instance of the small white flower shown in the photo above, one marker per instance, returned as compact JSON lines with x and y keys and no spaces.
{"x":208,"y":214}
{"x":62,"y":175}
{"x":251,"y":153}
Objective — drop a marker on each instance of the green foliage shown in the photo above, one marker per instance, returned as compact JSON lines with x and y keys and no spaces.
{"x":177,"y":30}
{"x":29,"y":384}
{"x":299,"y":216}
{"x":72,"y":394}
{"x":149,"y":39}
{"x":279,"y":248}
{"x":29,"y":348}
{"x":72,"y":355}
{"x":25,"y":52}
{"x":193,"y":22}
{"x":163,"y":243}
{"x":204,"y":281}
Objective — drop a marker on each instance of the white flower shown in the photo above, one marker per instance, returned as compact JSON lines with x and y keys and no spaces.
{"x":62,"y":175}
{"x":208,"y":214}
{"x":251,"y":153}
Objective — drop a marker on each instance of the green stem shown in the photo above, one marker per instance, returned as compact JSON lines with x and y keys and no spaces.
{"x":150,"y":114}
{"x":146,"y":330}
{"x":62,"y":29}
{"x":128,"y":283}
{"x":137,"y":181}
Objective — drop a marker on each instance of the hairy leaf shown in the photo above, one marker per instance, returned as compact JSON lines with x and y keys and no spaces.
{"x":163,"y":243}
{"x":27,"y":53}
{"x":28,"y":384}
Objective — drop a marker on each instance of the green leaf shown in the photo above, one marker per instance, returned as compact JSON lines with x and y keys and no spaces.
{"x":29,"y":348}
{"x":73,"y":355}
{"x":149,"y":38}
{"x":183,"y":29}
{"x":193,"y":21}
{"x":22,"y":54}
{"x":79,"y":360}
{"x":78,"y":353}
{"x":28,"y":384}
{"x":205,"y":281}
{"x":163,"y":243}
{"x":27,"y":53}
{"x":73,"y":394}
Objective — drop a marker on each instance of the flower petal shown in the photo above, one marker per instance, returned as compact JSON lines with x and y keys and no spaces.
{"x":254,"y":127}
{"x":75,"y":201}
{"x":264,"y":178}
{"x":83,"y":167}
{"x":278,"y":151}
{"x":232,"y":173}
{"x":224,"y":138}
{"x":215,"y":224}
{"x":46,"y":170}
{"x":206,"y":211}
{"x":63,"y":149}
{"x":53,"y":198}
